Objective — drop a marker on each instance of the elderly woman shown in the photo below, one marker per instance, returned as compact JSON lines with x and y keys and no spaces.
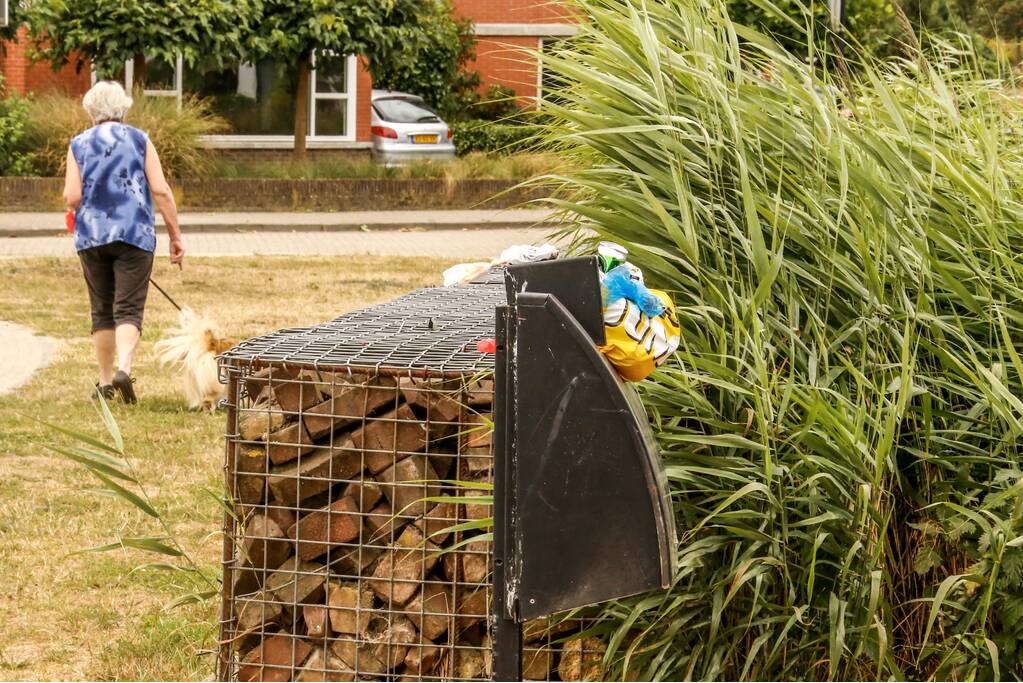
{"x":113,"y":176}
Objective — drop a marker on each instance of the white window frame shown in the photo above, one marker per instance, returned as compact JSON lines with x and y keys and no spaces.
{"x":179,"y":73}
{"x":539,"y":71}
{"x":351,"y":74}
{"x":5,"y":12}
{"x":313,"y":141}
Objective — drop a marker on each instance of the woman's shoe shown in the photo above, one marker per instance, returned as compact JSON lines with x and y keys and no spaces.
{"x":124,"y":385}
{"x":106,"y":391}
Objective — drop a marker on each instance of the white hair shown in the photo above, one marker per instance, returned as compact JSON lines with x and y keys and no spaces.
{"x":106,"y":101}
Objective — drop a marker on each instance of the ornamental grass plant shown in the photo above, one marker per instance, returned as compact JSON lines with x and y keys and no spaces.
{"x":841,"y":424}
{"x":55,"y":118}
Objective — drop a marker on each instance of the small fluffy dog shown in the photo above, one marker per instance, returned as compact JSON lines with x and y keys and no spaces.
{"x":193,"y":347}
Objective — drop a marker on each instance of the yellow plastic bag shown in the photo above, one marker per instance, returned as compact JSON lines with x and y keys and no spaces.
{"x":637,"y":344}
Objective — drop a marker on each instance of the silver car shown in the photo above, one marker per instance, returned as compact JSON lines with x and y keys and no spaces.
{"x":405,"y":129}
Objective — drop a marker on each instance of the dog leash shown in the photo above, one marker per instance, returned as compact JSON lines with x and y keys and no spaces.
{"x":165,"y":294}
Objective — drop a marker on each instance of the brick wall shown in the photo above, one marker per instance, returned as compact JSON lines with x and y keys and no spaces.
{"x":363,"y":102}
{"x":507,"y":61}
{"x":22,"y":76}
{"x":512,"y":11}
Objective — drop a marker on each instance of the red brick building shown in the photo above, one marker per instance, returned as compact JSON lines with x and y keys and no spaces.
{"x":258,"y":99}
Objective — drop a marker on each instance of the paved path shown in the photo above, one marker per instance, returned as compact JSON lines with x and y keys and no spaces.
{"x":21,"y":354}
{"x":33,"y":224}
{"x":464,"y":245}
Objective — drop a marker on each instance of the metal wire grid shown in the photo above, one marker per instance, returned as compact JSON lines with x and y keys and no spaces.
{"x":340,"y":558}
{"x":429,"y":331}
{"x":343,"y":441}
{"x":339,"y":562}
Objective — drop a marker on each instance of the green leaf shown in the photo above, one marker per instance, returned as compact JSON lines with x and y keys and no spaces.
{"x":126,"y":495}
{"x":150,"y":544}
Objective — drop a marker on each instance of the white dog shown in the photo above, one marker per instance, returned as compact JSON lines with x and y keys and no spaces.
{"x":193,"y":347}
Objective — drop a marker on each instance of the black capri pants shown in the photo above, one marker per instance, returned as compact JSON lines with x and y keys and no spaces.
{"x":118,"y":278}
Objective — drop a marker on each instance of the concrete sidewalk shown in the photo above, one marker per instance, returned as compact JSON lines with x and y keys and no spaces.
{"x":460,"y":245}
{"x":21,"y":354}
{"x":48,"y":224}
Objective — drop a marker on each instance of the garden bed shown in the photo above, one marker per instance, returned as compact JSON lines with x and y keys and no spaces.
{"x":250,"y":194}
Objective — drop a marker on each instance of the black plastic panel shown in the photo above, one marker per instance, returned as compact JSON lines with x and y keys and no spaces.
{"x":590,"y":516}
{"x":575,"y":282}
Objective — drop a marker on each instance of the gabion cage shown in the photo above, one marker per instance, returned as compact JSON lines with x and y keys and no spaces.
{"x":359,"y":464}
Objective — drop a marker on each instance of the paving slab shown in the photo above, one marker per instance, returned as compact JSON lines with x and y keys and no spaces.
{"x":14,"y":224}
{"x":460,"y":245}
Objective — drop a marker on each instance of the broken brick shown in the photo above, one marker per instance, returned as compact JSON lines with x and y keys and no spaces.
{"x":288,"y":443}
{"x":390,"y":438}
{"x":405,"y":485}
{"x":350,"y":607}
{"x":274,"y":659}
{"x":349,"y":405}
{"x":264,"y":543}
{"x":428,"y":608}
{"x":314,"y":473}
{"x":401,"y":571}
{"x":296,"y":582}
{"x":318,"y":531}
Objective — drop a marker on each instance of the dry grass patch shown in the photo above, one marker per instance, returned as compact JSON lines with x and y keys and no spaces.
{"x":79,"y":616}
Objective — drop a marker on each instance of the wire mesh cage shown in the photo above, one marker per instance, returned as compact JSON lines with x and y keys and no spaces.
{"x":359,"y":465}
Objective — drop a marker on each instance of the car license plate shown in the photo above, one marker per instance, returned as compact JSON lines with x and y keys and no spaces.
{"x":425,"y":139}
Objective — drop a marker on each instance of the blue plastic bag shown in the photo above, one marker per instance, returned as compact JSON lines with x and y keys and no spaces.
{"x":619,"y":284}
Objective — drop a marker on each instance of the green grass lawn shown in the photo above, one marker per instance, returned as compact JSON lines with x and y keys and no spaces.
{"x":89,"y":616}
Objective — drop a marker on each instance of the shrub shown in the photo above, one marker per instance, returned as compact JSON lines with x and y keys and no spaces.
{"x":55,"y":119}
{"x":841,"y":424}
{"x":499,"y":102}
{"x":493,"y":137}
{"x":14,"y":113}
{"x":435,"y":65}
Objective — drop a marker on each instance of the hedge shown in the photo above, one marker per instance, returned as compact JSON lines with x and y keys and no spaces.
{"x":488,"y":136}
{"x":14,"y":116}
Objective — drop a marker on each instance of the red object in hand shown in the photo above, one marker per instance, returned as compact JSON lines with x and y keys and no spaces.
{"x":487,"y":346}
{"x":69,"y":221}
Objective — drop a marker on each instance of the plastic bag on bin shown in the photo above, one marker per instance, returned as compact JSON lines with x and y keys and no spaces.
{"x":641,"y":329}
{"x":635,"y":343}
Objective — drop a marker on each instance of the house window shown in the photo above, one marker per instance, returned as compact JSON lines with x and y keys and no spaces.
{"x":332,"y":108}
{"x":258,"y":99}
{"x":547,"y":81}
{"x":255,"y":98}
{"x":163,"y":79}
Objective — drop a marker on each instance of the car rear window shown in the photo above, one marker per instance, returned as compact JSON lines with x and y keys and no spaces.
{"x":397,"y":110}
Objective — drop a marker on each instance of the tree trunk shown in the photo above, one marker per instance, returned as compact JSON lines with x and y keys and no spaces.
{"x":138,"y":77}
{"x":302,"y":108}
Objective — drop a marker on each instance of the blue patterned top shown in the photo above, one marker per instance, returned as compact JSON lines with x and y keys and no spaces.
{"x":116,"y":205}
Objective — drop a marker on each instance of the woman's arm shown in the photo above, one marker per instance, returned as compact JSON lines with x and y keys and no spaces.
{"x":72,"y":183}
{"x":164,"y":199}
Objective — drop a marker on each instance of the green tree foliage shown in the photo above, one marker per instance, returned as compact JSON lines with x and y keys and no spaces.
{"x":943,"y":15}
{"x":378,"y":30}
{"x":1002,"y":19}
{"x":14,"y":121}
{"x":840,"y":427}
{"x":107,"y":33}
{"x":435,"y":65}
{"x":14,"y":12}
{"x":868,"y":22}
